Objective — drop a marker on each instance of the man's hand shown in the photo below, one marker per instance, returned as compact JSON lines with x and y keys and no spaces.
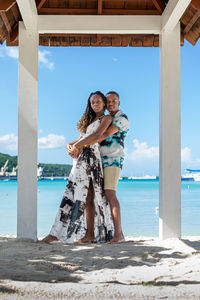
{"x":77,"y":151}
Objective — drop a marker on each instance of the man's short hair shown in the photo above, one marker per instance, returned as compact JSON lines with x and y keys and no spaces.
{"x":113,"y":92}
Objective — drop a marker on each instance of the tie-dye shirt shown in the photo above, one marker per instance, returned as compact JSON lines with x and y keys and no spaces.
{"x":112,"y":148}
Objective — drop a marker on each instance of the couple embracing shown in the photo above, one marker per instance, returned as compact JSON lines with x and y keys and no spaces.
{"x":89,"y":210}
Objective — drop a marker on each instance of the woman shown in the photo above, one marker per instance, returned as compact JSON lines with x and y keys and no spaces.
{"x":84,"y":214}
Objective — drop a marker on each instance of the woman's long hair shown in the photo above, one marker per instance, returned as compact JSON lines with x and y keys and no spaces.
{"x":89,"y":114}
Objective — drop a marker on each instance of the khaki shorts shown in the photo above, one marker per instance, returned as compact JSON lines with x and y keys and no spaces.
{"x":111,"y":177}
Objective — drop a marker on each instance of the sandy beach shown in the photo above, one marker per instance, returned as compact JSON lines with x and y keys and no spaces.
{"x":140,"y":268}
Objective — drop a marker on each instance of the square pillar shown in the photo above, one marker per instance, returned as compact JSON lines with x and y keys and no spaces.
{"x":27,"y":133}
{"x":170,"y":136}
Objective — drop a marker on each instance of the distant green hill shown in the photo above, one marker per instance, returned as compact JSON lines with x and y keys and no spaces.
{"x":55,"y":169}
{"x":12,"y":161}
{"x":48,"y":169}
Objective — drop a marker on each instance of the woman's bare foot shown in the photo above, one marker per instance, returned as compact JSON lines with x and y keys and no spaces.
{"x":49,"y":238}
{"x":86,"y":239}
{"x":117,"y":239}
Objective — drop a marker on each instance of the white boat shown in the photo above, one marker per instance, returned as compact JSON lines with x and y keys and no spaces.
{"x":195,"y":174}
{"x":196,"y":177}
{"x":39,"y":172}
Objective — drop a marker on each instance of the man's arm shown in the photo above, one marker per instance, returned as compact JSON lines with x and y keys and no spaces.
{"x":110,"y":131}
{"x":97,"y":135}
{"x":93,"y":139}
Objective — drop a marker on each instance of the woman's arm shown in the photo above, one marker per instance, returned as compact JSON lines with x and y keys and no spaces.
{"x":94,"y":137}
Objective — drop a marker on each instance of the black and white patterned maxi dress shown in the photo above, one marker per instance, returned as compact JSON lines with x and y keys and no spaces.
{"x":70,"y":223}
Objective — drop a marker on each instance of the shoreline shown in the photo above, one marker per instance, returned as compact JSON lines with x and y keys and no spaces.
{"x":140,"y":268}
{"x":147,"y":178}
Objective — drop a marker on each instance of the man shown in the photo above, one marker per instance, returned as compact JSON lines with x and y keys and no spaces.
{"x":111,"y":149}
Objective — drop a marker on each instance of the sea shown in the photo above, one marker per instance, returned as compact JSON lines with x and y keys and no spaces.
{"x":138,"y":201}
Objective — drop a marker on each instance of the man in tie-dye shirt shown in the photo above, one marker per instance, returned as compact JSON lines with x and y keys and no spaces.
{"x":112,"y":153}
{"x":112,"y":148}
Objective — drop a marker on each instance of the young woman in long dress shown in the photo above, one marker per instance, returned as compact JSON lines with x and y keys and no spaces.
{"x":84,"y":214}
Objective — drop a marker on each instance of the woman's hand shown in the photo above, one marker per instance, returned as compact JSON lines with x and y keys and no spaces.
{"x":70,"y":150}
{"x":69,"y":147}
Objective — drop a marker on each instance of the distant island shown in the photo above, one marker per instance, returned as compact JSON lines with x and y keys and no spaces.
{"x":56,"y":170}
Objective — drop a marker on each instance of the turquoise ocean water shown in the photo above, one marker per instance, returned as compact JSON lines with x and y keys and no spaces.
{"x":138,"y":200}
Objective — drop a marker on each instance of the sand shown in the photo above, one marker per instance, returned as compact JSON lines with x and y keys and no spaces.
{"x":140,"y":268}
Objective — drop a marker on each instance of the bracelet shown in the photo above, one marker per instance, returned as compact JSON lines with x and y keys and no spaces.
{"x":85,"y":146}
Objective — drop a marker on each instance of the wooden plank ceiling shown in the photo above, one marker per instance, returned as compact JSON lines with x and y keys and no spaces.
{"x":10,"y":16}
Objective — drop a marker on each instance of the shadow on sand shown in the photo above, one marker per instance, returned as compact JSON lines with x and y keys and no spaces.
{"x":26,"y":261}
{"x":193,"y":244}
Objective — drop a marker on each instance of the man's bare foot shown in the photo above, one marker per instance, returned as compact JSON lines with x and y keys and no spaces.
{"x":85,"y":239}
{"x":49,"y":238}
{"x":117,"y":240}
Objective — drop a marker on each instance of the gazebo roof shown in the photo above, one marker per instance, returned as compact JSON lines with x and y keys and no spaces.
{"x":10,"y":16}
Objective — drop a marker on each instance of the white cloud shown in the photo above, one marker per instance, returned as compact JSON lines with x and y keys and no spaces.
{"x":144,"y":159}
{"x":44,"y":59}
{"x":52,"y":141}
{"x":43,"y":56}
{"x":12,"y":52}
{"x":115,"y":59}
{"x":142,"y":152}
{"x":186,"y":155}
{"x":8,"y":141}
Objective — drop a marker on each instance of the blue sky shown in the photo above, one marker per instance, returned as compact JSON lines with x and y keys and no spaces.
{"x":66,"y":78}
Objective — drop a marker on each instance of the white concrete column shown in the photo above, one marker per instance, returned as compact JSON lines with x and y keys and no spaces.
{"x":27,"y":134}
{"x":170,"y":136}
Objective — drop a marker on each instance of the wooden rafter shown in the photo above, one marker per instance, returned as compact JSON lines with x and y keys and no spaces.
{"x":182,"y":39}
{"x":101,"y":40}
{"x":159,"y":4}
{"x":41,"y":4}
{"x":3,"y":31}
{"x":192,"y":21}
{"x":190,"y":39}
{"x":99,"y":7}
{"x":77,"y":11}
{"x":16,"y":12}
{"x":6,"y":4}
{"x":196,"y":4}
{"x":13,"y":36}
{"x":5,"y":20}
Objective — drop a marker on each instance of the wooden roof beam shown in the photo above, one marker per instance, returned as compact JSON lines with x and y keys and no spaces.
{"x":28,"y":12}
{"x":16,"y":13}
{"x":99,"y":24}
{"x":99,"y":7}
{"x":159,"y":4}
{"x":41,"y":4}
{"x":196,"y":4}
{"x":14,"y":34}
{"x":192,"y":21}
{"x":6,"y":4}
{"x":5,"y":20}
{"x":173,"y":13}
